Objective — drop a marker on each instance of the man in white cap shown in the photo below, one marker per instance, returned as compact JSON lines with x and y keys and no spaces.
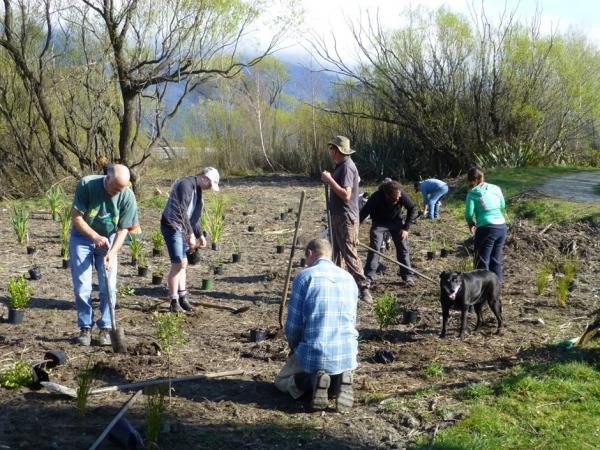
{"x":180,"y":225}
{"x":345,"y":211}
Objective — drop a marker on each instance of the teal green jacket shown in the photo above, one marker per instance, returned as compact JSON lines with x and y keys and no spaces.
{"x":484,"y":205}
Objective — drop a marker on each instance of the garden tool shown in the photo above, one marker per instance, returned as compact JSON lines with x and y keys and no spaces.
{"x":117,"y":335}
{"x":399,"y":263}
{"x":289,"y":269}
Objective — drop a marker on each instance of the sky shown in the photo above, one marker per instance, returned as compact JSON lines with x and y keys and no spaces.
{"x":323,"y":16}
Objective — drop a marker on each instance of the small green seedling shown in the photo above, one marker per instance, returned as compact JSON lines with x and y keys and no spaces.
{"x":20,"y":222}
{"x":16,"y":376}
{"x":386,"y":310}
{"x":19,"y":293}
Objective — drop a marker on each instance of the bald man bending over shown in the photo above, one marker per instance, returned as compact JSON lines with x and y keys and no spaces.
{"x":104,"y":207}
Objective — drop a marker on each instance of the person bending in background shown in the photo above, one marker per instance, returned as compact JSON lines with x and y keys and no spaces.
{"x":483,"y":213}
{"x":432,"y":190}
{"x":385,"y":209}
{"x":180,"y":226}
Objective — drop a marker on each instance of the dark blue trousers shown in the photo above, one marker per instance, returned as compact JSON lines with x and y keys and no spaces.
{"x":489,"y":243}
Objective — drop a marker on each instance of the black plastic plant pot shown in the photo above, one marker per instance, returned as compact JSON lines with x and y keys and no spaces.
{"x":194,"y":257}
{"x":409,"y":317}
{"x":302,"y":262}
{"x":38,"y":374}
{"x":384,"y":356}
{"x":54,"y":358}
{"x":142,"y":271}
{"x":236,"y":257}
{"x":283,"y":216}
{"x":257,"y":335}
{"x":31,"y":249}
{"x":156,"y":252}
{"x":218,"y":270}
{"x":290,"y":210}
{"x":35,"y":273}
{"x":244,"y":213}
{"x":279,"y":249}
{"x":66,"y":263}
{"x":157,"y":279}
{"x":430,"y":255}
{"x":251,"y":228}
{"x":215,"y":246}
{"x":444,"y":253}
{"x":15,"y":316}
{"x":205,"y":234}
{"x":134,"y":261}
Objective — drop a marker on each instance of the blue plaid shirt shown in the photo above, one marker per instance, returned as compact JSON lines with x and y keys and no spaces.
{"x":321,"y":321}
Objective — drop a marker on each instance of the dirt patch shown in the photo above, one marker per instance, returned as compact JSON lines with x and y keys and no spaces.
{"x":405,"y":399}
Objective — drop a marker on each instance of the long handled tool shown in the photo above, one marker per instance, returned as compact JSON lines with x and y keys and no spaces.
{"x":328,"y":206}
{"x":65,"y":390}
{"x":289,"y":269}
{"x":223,"y":307}
{"x":112,"y":423}
{"x":399,"y":263}
{"x":117,"y":335}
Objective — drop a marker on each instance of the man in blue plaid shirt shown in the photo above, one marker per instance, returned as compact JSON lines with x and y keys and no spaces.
{"x":321,"y":332}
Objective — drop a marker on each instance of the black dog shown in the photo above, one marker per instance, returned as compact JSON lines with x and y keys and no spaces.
{"x":460,"y":290}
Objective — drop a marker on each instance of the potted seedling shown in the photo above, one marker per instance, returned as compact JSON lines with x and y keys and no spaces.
{"x":55,"y":199}
{"x":216,"y":231}
{"x":236,"y":256}
{"x":280,"y":242}
{"x":158,"y":273}
{"x":444,"y":249}
{"x":35,"y":273}
{"x":135,"y":245}
{"x":158,"y":242}
{"x":218,"y":266}
{"x":19,"y":294}
{"x":21,"y":223}
{"x":432,"y":249}
{"x":142,"y":264}
{"x":31,"y":249}
{"x":65,"y":226}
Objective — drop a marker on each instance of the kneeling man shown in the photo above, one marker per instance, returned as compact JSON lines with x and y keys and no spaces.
{"x":321,"y":332}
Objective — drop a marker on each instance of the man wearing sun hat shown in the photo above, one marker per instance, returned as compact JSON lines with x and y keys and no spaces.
{"x":344,"y":211}
{"x":180,"y":225}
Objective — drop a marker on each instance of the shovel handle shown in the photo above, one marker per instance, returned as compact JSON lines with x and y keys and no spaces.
{"x":113,"y":320}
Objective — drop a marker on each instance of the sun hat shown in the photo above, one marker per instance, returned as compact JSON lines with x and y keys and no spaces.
{"x":343,"y":144}
{"x":213,"y":175}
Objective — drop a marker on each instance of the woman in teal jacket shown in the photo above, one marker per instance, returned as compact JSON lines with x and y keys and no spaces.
{"x":483,"y":213}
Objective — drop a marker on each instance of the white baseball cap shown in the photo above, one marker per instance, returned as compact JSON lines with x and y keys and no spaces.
{"x":213,"y":175}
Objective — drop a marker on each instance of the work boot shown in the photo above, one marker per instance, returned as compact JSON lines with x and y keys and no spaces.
{"x":365,"y":295}
{"x":319,"y":399}
{"x":345,"y":397}
{"x":175,"y":306}
{"x":104,"y":337}
{"x":183,"y":302}
{"x":85,"y":337}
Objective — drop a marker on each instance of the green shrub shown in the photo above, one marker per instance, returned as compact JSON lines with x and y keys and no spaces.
{"x":16,"y":376}
{"x":434,"y":369}
{"x":65,"y":227}
{"x":136,"y":246}
{"x":386,"y":310}
{"x":85,"y":378}
{"x":155,"y":408}
{"x":158,"y":240}
{"x":19,"y":293}
{"x":543,"y":277}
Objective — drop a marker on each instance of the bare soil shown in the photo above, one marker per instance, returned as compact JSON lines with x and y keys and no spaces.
{"x":395,"y":402}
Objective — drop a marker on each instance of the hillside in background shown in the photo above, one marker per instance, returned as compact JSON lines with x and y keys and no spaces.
{"x":302,"y":81}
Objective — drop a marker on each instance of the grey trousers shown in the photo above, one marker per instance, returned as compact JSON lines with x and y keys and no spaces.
{"x":377,"y":235}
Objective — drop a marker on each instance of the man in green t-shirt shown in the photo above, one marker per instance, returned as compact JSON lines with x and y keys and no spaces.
{"x":104,"y":207}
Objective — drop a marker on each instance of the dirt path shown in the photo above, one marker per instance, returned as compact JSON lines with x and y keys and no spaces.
{"x":577,"y":187}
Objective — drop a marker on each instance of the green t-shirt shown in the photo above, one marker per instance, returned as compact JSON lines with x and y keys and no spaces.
{"x":104,"y":214}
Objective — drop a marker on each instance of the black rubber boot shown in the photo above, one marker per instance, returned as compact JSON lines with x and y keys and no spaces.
{"x":185,"y":304}
{"x":175,"y":306}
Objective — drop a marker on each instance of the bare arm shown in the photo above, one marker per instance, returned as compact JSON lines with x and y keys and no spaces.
{"x":79,"y":223}
{"x":345,"y":193}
